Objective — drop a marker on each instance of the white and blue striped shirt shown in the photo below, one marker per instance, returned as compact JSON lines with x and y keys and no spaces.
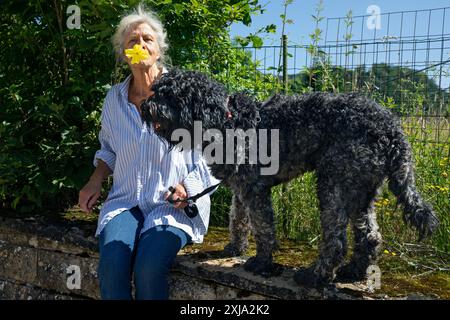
{"x":144,"y":169}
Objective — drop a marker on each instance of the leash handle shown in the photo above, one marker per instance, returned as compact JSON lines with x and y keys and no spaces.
{"x":190,"y":199}
{"x":170,"y":197}
{"x":190,"y":210}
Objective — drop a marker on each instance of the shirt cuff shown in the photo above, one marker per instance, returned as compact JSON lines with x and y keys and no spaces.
{"x":106,"y":156}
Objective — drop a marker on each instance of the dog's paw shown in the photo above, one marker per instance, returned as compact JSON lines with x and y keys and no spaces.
{"x":306,"y":277}
{"x":262,"y":267}
{"x":232,"y":250}
{"x":350,"y":273}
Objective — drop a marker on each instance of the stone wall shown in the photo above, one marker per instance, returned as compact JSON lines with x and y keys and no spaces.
{"x":37,"y":254}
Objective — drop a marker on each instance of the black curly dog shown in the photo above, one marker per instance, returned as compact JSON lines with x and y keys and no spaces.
{"x":351,"y":142}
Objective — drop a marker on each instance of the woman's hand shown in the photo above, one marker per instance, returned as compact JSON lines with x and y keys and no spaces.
{"x":180,"y":193}
{"x":89,"y":195}
{"x":91,"y":191}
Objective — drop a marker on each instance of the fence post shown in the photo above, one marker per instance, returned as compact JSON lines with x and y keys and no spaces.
{"x":285,"y":64}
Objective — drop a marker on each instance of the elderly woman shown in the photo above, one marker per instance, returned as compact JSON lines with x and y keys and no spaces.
{"x":139,"y":231}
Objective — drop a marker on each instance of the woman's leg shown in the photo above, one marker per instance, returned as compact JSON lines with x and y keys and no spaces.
{"x":155,"y":254}
{"x":117,"y":244}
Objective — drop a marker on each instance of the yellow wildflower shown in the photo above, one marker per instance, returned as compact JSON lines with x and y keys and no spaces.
{"x":393,"y":253}
{"x":386,"y":251}
{"x":445,"y":174}
{"x":137,"y":54}
{"x":382,"y":202}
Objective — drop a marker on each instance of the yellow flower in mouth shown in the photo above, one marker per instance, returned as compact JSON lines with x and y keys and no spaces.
{"x":137,"y":54}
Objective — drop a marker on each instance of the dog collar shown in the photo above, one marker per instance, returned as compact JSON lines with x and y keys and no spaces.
{"x":228,"y":113}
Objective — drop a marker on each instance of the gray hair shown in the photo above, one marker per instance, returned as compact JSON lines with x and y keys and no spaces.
{"x":140,"y":15}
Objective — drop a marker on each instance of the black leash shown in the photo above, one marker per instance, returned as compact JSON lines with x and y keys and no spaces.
{"x":191,"y":209}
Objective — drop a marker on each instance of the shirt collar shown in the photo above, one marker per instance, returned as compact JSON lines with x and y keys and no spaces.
{"x":123,"y":87}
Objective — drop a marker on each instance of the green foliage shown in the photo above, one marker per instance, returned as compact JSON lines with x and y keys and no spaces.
{"x":409,"y":91}
{"x":432,"y":179}
{"x":199,"y":30}
{"x":53,"y":81}
{"x":297,"y":209}
{"x":220,"y":207}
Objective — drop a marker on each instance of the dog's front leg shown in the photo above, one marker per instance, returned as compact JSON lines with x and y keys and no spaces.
{"x":259,"y":205}
{"x":239,"y":229}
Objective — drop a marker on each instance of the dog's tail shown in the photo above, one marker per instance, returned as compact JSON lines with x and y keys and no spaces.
{"x":417,"y":212}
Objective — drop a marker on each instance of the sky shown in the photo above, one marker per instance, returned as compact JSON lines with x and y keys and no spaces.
{"x":416,"y":55}
{"x":300,"y":12}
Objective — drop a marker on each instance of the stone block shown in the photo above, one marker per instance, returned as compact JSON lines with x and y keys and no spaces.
{"x":18,"y":263}
{"x":15,"y":291}
{"x":53,"y":273}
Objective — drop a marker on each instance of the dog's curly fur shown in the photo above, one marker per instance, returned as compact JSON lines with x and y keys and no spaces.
{"x":351,"y":142}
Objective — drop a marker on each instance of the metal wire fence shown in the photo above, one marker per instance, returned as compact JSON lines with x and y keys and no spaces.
{"x":403,"y":62}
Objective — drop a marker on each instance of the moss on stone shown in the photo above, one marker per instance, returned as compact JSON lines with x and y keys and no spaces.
{"x":398,"y":279}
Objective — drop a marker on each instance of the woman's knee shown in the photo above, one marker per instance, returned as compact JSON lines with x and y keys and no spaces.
{"x":115,"y":260}
{"x":156,"y":253}
{"x":152,"y":265}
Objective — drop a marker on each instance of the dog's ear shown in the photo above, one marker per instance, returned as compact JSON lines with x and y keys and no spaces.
{"x":193,"y":96}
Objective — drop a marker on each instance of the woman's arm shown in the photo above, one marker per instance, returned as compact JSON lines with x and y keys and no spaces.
{"x":91,"y":191}
{"x":104,"y":161}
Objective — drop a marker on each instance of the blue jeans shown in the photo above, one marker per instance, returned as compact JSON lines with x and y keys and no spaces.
{"x":150,"y":256}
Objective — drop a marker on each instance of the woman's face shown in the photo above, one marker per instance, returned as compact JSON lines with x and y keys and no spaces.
{"x":143,"y":35}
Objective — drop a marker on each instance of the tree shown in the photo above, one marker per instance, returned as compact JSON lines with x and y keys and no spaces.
{"x":410,"y":91}
{"x":53,"y":80}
